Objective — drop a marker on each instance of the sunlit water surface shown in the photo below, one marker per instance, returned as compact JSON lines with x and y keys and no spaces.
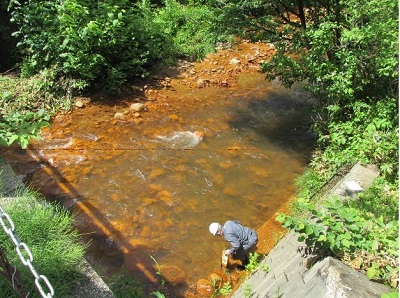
{"x":150,"y":191}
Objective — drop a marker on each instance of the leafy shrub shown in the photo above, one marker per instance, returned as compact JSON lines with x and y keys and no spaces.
{"x":353,"y":75}
{"x":192,"y":28}
{"x":22,"y":127}
{"x":348,"y":232}
{"x":108,"y":42}
{"x":83,"y":40}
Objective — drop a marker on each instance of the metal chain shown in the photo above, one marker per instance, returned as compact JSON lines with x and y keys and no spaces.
{"x":21,"y":247}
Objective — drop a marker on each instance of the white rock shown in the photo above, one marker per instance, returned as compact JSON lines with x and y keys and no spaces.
{"x":119,"y":116}
{"x":137,"y":107}
{"x":234,"y":61}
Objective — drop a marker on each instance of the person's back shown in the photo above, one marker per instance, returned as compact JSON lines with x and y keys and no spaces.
{"x":240,"y":237}
{"x":234,"y":229}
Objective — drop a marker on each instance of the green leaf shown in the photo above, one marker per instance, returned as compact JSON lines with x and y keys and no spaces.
{"x":390,"y":295}
{"x":309,"y":230}
{"x":372,"y":272}
{"x":346,"y":243}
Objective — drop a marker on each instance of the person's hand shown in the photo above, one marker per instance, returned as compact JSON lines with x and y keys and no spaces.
{"x":227,"y":252}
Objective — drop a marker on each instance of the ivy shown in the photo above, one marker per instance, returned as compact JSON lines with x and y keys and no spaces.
{"x":340,"y":229}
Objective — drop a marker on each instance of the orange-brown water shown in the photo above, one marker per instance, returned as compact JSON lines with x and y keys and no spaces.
{"x":146,"y":188}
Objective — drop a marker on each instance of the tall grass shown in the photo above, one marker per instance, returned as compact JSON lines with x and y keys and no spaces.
{"x":48,"y":231}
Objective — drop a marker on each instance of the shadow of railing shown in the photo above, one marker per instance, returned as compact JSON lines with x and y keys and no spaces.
{"x":106,"y":244}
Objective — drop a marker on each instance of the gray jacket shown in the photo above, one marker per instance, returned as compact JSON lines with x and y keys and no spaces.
{"x":239,"y":236}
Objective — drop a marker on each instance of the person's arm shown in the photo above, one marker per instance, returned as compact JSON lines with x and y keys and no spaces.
{"x":234,"y":242}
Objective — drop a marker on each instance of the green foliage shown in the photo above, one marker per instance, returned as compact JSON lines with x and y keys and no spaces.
{"x":309,"y":183}
{"x":105,"y":43}
{"x":247,"y":290}
{"x":159,"y":272}
{"x":93,"y":42}
{"x":42,"y":91}
{"x":370,"y":136}
{"x":158,"y":294}
{"x":390,"y":295}
{"x":337,"y":54}
{"x":124,"y":285}
{"x":21,"y":128}
{"x":192,"y":28}
{"x":254,"y":262}
{"x":224,"y":289}
{"x":340,"y":229}
{"x":48,"y":231}
{"x":380,"y":199}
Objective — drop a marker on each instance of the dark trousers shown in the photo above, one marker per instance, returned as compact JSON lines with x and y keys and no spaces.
{"x":242,"y":253}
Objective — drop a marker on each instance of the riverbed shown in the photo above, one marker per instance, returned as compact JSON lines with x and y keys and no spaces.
{"x":146,"y":172}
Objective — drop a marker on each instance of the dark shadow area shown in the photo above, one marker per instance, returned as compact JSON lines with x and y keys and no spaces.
{"x":106,"y":244}
{"x":284,"y":119}
{"x":159,"y":78}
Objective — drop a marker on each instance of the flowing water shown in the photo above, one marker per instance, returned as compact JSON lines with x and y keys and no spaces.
{"x":146,"y":192}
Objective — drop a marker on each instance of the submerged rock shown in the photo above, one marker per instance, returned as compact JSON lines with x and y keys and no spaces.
{"x":173,"y":274}
{"x":204,"y":288}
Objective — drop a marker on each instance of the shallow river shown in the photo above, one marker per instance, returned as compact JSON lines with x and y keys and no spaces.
{"x":147,"y":192}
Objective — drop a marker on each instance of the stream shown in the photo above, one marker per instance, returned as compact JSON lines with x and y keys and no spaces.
{"x":144,"y":188}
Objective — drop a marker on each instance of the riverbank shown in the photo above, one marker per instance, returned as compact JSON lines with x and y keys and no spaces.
{"x":291,"y":270}
{"x":294,"y":270}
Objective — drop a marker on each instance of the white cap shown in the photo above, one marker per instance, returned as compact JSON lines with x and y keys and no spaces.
{"x":214,"y":228}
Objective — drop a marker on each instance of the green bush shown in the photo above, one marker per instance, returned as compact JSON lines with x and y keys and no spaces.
{"x":83,"y":40}
{"x":193,"y":29}
{"x":105,"y":43}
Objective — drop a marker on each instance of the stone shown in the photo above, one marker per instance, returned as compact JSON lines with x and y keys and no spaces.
{"x":174,"y":117}
{"x":136,"y":88}
{"x":79,"y":103}
{"x":119,"y":116}
{"x":204,"y":288}
{"x":137,"y":107}
{"x":200,"y":83}
{"x":234,"y":61}
{"x":224,"y":83}
{"x":173,"y":274}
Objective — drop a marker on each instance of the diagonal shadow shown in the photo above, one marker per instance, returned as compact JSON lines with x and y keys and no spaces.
{"x":105,"y":243}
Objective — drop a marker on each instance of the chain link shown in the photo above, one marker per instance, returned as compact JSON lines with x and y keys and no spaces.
{"x":23,"y":249}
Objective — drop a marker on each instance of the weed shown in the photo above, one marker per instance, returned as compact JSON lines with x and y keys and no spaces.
{"x":159,"y":273}
{"x":124,"y":285}
{"x":254,"y":261}
{"x":226,"y":289}
{"x":247,"y":290}
{"x":158,"y":294}
{"x":48,"y":231}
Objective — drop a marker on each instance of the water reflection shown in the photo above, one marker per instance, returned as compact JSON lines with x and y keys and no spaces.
{"x":153,"y":190}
